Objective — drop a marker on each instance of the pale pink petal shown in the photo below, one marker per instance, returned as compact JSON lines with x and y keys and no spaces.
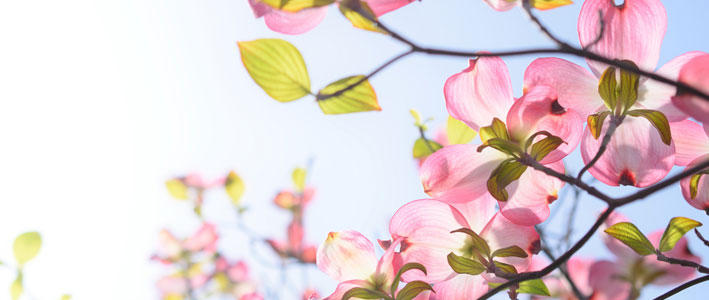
{"x":260,"y":9}
{"x":674,"y":274}
{"x":295,"y":236}
{"x":537,"y":111}
{"x":204,"y":239}
{"x":701,"y":201}
{"x":658,"y":96}
{"x":345,"y":286}
{"x":295,"y":23}
{"x":168,"y":246}
{"x":479,"y":93}
{"x":172,"y":285}
{"x":575,"y":86}
{"x":425,"y":226}
{"x":476,"y":212}
{"x":390,"y":262}
{"x":194,"y":180}
{"x":285,"y":199}
{"x":502,"y":5}
{"x":310,"y":294}
{"x":579,"y":269}
{"x":635,"y":156}
{"x":690,"y":141}
{"x":347,"y":255}
{"x":279,"y":247}
{"x":460,"y":287}
{"x":696,"y":74}
{"x":603,"y":278}
{"x":459,"y":170}
{"x":633,"y":31}
{"x":531,"y":195}
{"x":501,"y":233}
{"x":380,"y":7}
{"x":252,"y":296}
{"x":309,"y":254}
{"x":238,"y":272}
{"x":623,"y":252}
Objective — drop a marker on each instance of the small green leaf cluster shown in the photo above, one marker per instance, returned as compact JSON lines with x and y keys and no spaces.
{"x":632,"y":237}
{"x":408,"y":292}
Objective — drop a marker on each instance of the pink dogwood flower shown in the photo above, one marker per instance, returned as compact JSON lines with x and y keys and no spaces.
{"x":504,"y":5}
{"x":559,"y":288}
{"x":616,"y":280}
{"x":696,"y":74}
{"x":633,"y":31}
{"x":692,"y":148}
{"x":479,"y":96}
{"x":306,"y":19}
{"x":171,"y":249}
{"x":424,"y":229}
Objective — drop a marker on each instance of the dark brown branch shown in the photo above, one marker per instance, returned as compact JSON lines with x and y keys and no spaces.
{"x":682,"y":287}
{"x":661,"y":185}
{"x":562,"y":268}
{"x":529,"y":161}
{"x":699,"y":235}
{"x":682,"y":262}
{"x":526,"y":4}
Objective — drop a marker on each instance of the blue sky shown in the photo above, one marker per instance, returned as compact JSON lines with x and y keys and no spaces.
{"x":104,"y":101}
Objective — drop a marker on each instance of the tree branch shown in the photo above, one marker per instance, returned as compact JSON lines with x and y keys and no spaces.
{"x":699,"y":235}
{"x":681,"y":262}
{"x":682,"y":287}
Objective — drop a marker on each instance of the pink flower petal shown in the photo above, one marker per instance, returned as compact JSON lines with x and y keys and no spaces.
{"x":390,"y":262}
{"x":260,"y":9}
{"x":425,"y":226}
{"x":635,"y":156}
{"x":501,"y":233}
{"x":295,"y":236}
{"x":380,"y":7}
{"x":690,"y":141}
{"x":238,"y":272}
{"x":172,"y":285}
{"x":633,"y":31}
{"x":345,"y":286}
{"x":538,"y":110}
{"x":575,"y":86}
{"x":696,"y":74}
{"x":531,"y":195}
{"x":168,"y":246}
{"x":658,"y":96}
{"x":204,"y":239}
{"x":502,"y":5}
{"x":479,"y":93}
{"x":295,"y":23}
{"x":347,"y":255}
{"x":701,"y":201}
{"x":674,"y":274}
{"x":477,"y":212}
{"x":460,"y":287}
{"x":459,"y":170}
{"x":603,"y":278}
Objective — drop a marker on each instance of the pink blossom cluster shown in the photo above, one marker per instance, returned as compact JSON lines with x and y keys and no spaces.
{"x":294,"y":246}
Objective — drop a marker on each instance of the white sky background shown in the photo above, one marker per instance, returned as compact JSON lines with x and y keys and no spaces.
{"x":102,"y":101}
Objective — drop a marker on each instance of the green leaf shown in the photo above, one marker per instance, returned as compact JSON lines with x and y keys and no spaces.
{"x":298,"y":176}
{"x":496,"y":130}
{"x":658,"y":120}
{"x":607,"y":88}
{"x":348,"y":95}
{"x":548,"y":4}
{"x":295,"y":5}
{"x":694,"y":184}
{"x":677,"y":227}
{"x":177,"y":189}
{"x":545,"y":146}
{"x":277,"y":67}
{"x":423,"y":148}
{"x":26,"y":246}
{"x":404,"y":269}
{"x":502,"y":145}
{"x":417,"y":117}
{"x":595,"y":123}
{"x":363,"y":293}
{"x":509,"y":269}
{"x":511,"y":251}
{"x":534,"y":287}
{"x":627,"y":233}
{"x":16,"y":287}
{"x":234,"y":187}
{"x":478,"y":242}
{"x":458,"y":132}
{"x":66,"y":297}
{"x":629,"y":81}
{"x":507,"y":172}
{"x":462,"y":265}
{"x":360,"y":15}
{"x":412,"y":289}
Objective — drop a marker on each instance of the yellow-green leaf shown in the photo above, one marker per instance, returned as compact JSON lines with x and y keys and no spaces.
{"x":607,"y":88}
{"x":694,"y":184}
{"x":507,"y":268}
{"x":658,"y":120}
{"x":507,"y":172}
{"x":298,"y":176}
{"x":463,"y":265}
{"x":478,"y":242}
{"x":26,"y":246}
{"x":404,"y":269}
{"x":66,"y":297}
{"x":628,"y":89}
{"x":417,"y":117}
{"x":545,"y":146}
{"x":16,"y":288}
{"x":295,"y":5}
{"x":234,"y":187}
{"x":534,"y":287}
{"x":277,"y":67}
{"x":458,"y":132}
{"x":595,"y":123}
{"x":627,"y":233}
{"x":677,"y":227}
{"x":363,"y":293}
{"x":348,"y":95}
{"x":177,"y":189}
{"x":549,"y":4}
{"x":413,"y":289}
{"x":511,"y":251}
{"x":360,"y":15}
{"x":423,"y":148}
{"x":496,"y":130}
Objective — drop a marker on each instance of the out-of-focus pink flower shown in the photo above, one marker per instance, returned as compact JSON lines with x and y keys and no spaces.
{"x":195,"y":180}
{"x":304,"y":20}
{"x":692,"y":148}
{"x":170,"y":249}
{"x":424,"y":229}
{"x":310,"y":294}
{"x":349,"y":258}
{"x":288,"y":199}
{"x":504,"y":5}
{"x":633,"y":31}
{"x":696,"y":74}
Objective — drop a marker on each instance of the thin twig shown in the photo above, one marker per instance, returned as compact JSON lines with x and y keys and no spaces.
{"x":562,"y":268}
{"x":662,"y":184}
{"x":699,"y":235}
{"x":526,"y":4}
{"x":614,"y":123}
{"x":681,"y":262}
{"x":682,"y":287}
